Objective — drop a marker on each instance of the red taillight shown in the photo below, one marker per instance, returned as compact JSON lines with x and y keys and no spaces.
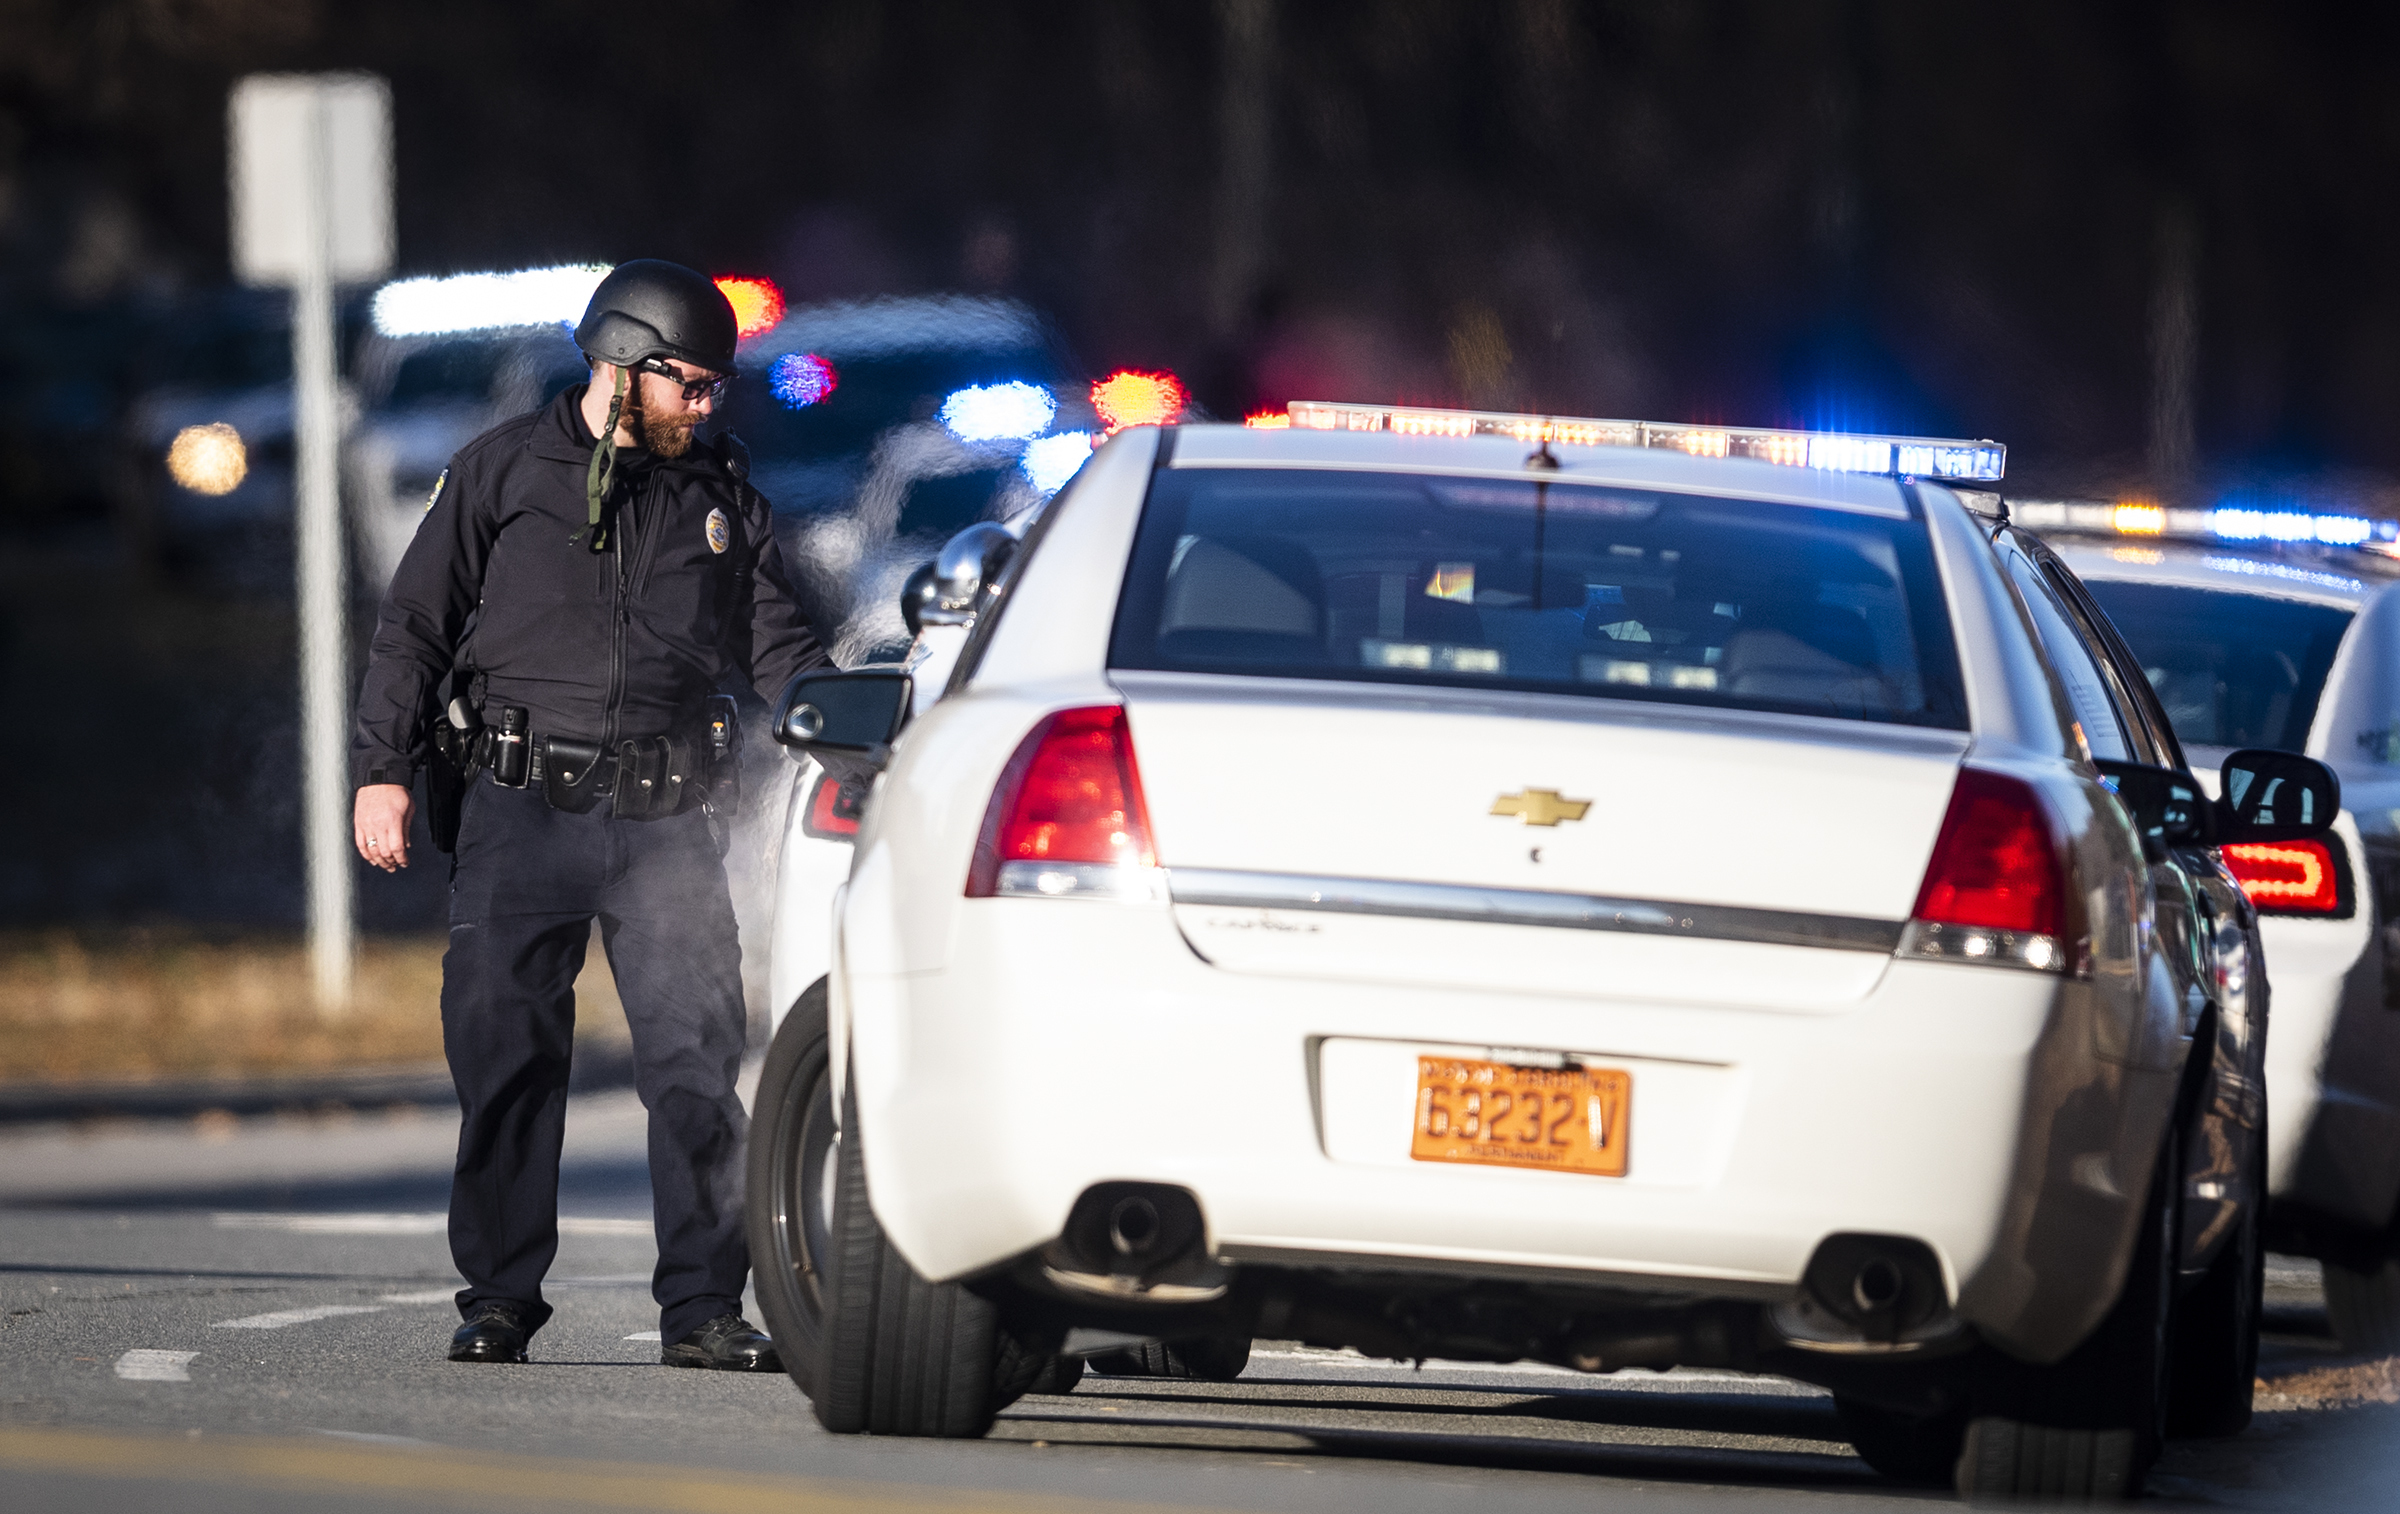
{"x":833,"y":809}
{"x":1994,"y":867}
{"x":1070,"y":794}
{"x":2288,"y":877}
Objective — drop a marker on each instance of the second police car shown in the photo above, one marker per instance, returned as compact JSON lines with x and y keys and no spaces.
{"x":2282,"y":629}
{"x":1499,"y":887}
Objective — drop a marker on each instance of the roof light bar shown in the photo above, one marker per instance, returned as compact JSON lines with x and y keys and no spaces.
{"x":486,"y":301}
{"x":1914,"y":456}
{"x":2225,"y":523}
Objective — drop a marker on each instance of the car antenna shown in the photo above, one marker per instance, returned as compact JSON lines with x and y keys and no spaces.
{"x":1542,"y":457}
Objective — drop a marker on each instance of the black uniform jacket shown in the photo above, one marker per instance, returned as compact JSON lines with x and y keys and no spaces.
{"x":606,"y":646}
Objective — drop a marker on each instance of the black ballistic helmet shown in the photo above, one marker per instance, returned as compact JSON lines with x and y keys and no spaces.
{"x":650,"y":308}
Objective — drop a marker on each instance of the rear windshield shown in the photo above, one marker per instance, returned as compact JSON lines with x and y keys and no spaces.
{"x":2231,"y":669}
{"x":1550,"y":587}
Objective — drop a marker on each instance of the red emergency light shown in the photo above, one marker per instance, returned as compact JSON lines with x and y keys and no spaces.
{"x":1130,"y":398}
{"x":757,"y":304}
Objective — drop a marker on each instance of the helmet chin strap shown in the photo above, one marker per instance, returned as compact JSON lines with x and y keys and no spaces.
{"x":602,"y":475}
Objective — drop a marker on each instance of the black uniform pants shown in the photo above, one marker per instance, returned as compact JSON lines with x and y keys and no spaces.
{"x":526,"y":883}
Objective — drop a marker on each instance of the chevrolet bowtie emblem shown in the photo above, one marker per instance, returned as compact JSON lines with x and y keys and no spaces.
{"x":1540,"y":807}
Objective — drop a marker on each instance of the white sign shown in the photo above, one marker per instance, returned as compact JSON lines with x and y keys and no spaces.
{"x":294,"y":133}
{"x":312,"y":208}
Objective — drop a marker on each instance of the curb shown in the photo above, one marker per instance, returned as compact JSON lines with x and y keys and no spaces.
{"x":596,"y":1067}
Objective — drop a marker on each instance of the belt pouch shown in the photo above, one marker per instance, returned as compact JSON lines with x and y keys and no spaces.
{"x":570,"y":773}
{"x":642,"y":782}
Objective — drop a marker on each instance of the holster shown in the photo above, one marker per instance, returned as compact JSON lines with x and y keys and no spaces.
{"x":453,"y":757}
{"x":720,"y":755}
{"x":445,"y":789}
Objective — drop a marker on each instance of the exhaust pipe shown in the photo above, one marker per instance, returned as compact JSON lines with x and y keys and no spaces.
{"x":1136,"y":1240}
{"x":1869,"y":1293}
{"x":1133,"y":1227}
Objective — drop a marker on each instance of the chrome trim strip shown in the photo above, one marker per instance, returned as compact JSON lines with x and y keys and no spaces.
{"x":1521,"y":906}
{"x":1079,"y":880}
{"x":2024,"y":950}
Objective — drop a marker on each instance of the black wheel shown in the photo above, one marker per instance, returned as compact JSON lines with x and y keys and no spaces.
{"x":1207,"y":1358}
{"x":1921,"y":1450}
{"x":790,"y":1184}
{"x":1059,"y":1375}
{"x":2364,"y":1307}
{"x":899,"y":1355}
{"x":2216,"y":1326}
{"x":2088,"y":1427}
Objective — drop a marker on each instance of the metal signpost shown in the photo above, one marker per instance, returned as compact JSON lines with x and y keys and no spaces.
{"x":311,"y":164}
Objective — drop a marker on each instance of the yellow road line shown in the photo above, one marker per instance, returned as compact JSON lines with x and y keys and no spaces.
{"x":455,"y":1477}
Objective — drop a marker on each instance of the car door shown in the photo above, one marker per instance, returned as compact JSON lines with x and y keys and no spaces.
{"x":2223,"y":1153}
{"x":2112,"y":732}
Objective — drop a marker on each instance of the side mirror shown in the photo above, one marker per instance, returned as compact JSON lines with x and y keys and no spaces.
{"x":2166,"y":806}
{"x":918,"y":594}
{"x":2276,"y":796}
{"x":847,"y":721}
{"x":963,"y":573}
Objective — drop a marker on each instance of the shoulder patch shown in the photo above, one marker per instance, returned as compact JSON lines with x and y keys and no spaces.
{"x":720,"y":531}
{"x":430,"y":499}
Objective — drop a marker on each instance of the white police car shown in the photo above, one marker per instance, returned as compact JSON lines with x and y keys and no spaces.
{"x":2296,"y":648}
{"x":1495,"y":887}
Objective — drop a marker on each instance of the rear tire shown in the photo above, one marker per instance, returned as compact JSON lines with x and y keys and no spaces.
{"x":789,"y":1185}
{"x":2364,"y":1307}
{"x":900,"y":1355}
{"x":2009,"y":1461}
{"x":2216,"y":1328}
{"x":2089,"y":1427}
{"x":1207,"y":1358}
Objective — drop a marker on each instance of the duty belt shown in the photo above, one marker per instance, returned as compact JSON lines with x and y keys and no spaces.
{"x":643,"y":779}
{"x":646,"y":778}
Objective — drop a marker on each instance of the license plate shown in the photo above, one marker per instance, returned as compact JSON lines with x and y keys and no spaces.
{"x":1567,"y":1119}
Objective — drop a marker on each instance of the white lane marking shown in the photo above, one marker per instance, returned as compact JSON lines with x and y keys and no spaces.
{"x":429,"y":1296}
{"x":282,"y":1317}
{"x":405,"y":1224}
{"x":643,"y":1335}
{"x":338,"y":1224}
{"x":147,"y":1366}
{"x":369,"y":1437}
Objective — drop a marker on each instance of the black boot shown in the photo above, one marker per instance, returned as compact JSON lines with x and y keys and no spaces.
{"x":728,"y":1343}
{"x":495,"y":1332}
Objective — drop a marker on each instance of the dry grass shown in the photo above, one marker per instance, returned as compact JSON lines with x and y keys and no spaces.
{"x":2344,"y":1387}
{"x":157,"y":1005}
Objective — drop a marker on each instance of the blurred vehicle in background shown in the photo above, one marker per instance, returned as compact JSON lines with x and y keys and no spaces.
{"x":879,"y":428}
{"x":2293,"y":646}
{"x":876,"y":428}
{"x":208,"y":438}
{"x":424,"y":397}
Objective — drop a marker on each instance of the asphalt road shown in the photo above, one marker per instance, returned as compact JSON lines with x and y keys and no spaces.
{"x":222,"y":1314}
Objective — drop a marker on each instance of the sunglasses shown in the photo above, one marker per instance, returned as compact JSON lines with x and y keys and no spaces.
{"x":712,"y":387}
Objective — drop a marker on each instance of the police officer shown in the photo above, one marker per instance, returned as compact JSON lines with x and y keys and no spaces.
{"x":584,"y":579}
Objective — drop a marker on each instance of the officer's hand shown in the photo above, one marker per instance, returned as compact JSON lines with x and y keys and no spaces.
{"x":380,"y":821}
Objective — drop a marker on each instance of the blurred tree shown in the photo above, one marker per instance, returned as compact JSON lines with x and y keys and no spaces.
{"x":1840,"y":212}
